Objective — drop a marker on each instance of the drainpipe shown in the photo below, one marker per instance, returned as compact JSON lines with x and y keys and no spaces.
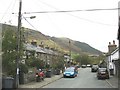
{"x":119,"y":45}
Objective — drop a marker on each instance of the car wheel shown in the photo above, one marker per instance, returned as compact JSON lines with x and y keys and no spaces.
{"x":98,"y":78}
{"x":64,"y":76}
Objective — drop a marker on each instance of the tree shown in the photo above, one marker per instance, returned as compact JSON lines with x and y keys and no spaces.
{"x":36,"y":62}
{"x":82,"y":59}
{"x":58,"y":63}
{"x":9,"y":49}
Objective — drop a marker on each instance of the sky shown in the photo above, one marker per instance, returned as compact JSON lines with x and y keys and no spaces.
{"x":96,"y":28}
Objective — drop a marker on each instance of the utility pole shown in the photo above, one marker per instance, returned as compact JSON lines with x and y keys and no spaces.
{"x":119,"y":54}
{"x":18,"y":44}
{"x":119,"y":45}
{"x":70,"y":51}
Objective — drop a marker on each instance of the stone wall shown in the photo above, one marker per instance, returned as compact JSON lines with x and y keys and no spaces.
{"x":29,"y":77}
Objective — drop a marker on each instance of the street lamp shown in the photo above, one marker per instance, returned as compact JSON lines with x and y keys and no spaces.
{"x":70,"y":51}
{"x":31,"y":17}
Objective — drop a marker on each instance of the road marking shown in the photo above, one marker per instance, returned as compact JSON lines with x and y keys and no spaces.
{"x":109,"y":83}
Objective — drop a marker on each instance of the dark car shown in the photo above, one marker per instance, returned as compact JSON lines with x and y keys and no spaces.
{"x":94,"y":68}
{"x":83,"y":66}
{"x":102,"y":73}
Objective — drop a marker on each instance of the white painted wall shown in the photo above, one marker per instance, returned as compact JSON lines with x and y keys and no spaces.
{"x":115,"y":56}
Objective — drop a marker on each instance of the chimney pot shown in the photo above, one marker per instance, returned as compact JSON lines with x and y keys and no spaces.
{"x":34,"y":42}
{"x":114,"y":42}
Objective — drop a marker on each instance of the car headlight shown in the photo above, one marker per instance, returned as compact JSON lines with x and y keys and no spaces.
{"x":72,"y":73}
{"x":64,"y":73}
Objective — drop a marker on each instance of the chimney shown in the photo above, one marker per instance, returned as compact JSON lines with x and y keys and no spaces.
{"x":112,"y":47}
{"x":113,"y":42}
{"x":42,"y":46}
{"x":47,"y":47}
{"x":34,"y":43}
{"x":109,"y":43}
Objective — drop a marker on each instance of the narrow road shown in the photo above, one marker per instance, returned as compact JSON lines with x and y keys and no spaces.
{"x":85,"y":79}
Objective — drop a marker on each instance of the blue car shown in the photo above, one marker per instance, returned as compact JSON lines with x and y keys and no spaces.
{"x":70,"y":72}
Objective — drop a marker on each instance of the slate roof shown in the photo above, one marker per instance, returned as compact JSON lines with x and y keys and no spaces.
{"x":39,"y":49}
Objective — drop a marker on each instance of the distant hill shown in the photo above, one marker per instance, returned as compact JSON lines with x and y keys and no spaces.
{"x":61,"y":44}
{"x":75,"y":46}
{"x":87,"y":48}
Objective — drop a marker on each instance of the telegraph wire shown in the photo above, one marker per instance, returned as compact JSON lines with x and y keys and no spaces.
{"x":88,"y":20}
{"x":28,"y":22}
{"x":12,"y":8}
{"x":65,"y":11}
{"x":83,"y":18}
{"x":7,"y":10}
{"x":53,"y":23}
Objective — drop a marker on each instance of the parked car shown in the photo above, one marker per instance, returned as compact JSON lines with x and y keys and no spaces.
{"x":70,"y":72}
{"x":94,"y":68}
{"x":83,"y":66}
{"x":77,"y":66}
{"x":89,"y":65}
{"x":102,"y":73}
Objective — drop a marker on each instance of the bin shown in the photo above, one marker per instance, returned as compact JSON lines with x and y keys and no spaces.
{"x":7,"y":82}
{"x":111,"y":72}
{"x":57,"y":72}
{"x":54,"y":72}
{"x":48,"y":73}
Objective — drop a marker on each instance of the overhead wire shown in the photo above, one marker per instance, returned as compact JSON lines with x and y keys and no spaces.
{"x":10,"y":21}
{"x":77,"y":11}
{"x":65,"y":11}
{"x":7,"y":9}
{"x":28,"y":22}
{"x":54,"y":24}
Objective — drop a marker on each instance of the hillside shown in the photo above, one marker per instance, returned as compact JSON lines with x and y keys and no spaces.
{"x":64,"y":44}
{"x":87,"y":48}
{"x":76,"y":46}
{"x":61,"y":44}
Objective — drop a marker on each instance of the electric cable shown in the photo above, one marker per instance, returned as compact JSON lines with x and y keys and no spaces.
{"x":65,"y":11}
{"x":7,"y":10}
{"x":10,"y":20}
{"x":28,"y":22}
{"x":82,"y":10}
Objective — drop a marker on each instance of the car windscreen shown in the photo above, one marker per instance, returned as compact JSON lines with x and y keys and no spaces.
{"x":102,"y":69}
{"x":95,"y":66}
{"x":69,"y":70}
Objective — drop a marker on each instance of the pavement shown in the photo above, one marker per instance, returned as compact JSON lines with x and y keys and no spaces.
{"x":41,"y":84}
{"x":113,"y":82}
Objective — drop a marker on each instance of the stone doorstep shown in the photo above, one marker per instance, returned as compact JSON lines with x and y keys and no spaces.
{"x":41,"y":84}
